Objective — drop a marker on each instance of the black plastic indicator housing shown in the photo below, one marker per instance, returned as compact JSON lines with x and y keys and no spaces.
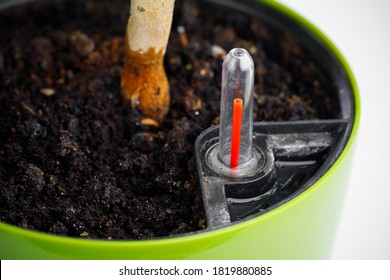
{"x":294,"y":156}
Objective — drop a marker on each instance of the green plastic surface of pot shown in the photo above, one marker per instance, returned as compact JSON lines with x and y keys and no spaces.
{"x":304,"y":227}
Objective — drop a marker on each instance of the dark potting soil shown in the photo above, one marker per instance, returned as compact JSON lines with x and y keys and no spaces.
{"x":76,"y":161}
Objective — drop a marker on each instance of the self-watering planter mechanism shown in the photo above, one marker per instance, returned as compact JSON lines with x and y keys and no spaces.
{"x":270,"y":189}
{"x":246,"y":169}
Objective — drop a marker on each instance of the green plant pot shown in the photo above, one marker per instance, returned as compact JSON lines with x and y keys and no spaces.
{"x":301,"y":226}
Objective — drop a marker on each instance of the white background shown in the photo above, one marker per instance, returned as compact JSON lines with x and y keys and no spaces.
{"x":361,"y":31}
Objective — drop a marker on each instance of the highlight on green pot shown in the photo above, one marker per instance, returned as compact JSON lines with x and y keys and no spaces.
{"x":186,"y":130}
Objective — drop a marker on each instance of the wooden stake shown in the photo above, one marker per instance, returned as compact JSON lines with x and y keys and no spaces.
{"x":144,"y":82}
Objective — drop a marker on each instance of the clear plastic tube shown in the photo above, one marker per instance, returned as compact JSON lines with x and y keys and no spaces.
{"x":237,"y":86}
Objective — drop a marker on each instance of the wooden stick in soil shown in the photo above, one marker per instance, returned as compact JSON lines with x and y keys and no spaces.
{"x":144,"y":82}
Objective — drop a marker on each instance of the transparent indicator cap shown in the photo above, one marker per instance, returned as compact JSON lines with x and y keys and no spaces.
{"x":237,"y":84}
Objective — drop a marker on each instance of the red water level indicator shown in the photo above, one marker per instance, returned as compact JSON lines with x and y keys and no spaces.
{"x":236,"y":133}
